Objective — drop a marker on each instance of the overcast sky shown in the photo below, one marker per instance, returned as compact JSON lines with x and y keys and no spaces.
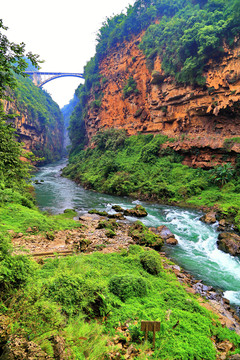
{"x":63,"y":33}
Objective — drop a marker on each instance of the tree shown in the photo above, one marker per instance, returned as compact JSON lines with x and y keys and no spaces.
{"x":12,"y":61}
{"x":12,"y":170}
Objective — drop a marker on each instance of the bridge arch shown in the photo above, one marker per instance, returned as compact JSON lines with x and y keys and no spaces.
{"x":40,"y":78}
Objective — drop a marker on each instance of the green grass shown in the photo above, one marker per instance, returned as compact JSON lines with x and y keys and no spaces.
{"x":85,"y":298}
{"x":19,"y":218}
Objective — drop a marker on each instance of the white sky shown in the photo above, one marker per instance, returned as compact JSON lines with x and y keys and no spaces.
{"x":62,"y":32}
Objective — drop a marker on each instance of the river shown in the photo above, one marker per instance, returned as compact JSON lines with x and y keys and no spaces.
{"x":196,"y":252}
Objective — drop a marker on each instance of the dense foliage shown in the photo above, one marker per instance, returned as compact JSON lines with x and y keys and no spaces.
{"x":185,"y":34}
{"x":44,"y":115}
{"x":11,"y":61}
{"x":13,"y":172}
{"x":140,"y":166}
{"x":109,"y":291}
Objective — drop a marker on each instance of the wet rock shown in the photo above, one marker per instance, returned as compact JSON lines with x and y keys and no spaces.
{"x":97,"y":212}
{"x":229,"y":243}
{"x":165,"y":234}
{"x":117,"y":208}
{"x":223,"y":225}
{"x":234,"y":357}
{"x":209,"y":218}
{"x":118,"y":216}
{"x":172,"y":241}
{"x":137,"y":211}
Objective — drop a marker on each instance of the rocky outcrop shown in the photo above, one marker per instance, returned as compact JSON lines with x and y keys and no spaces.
{"x":165,"y":234}
{"x":229,"y":243}
{"x":209,"y":218}
{"x":43,"y":139}
{"x":201,"y":120}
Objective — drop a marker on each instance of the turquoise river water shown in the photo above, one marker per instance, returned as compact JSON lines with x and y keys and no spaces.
{"x":196,"y":252}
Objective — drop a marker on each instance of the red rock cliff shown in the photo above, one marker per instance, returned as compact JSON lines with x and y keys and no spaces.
{"x":199,"y":119}
{"x":35,"y":136}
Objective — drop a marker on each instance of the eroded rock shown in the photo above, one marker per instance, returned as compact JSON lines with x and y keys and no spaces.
{"x":209,"y":218}
{"x":165,"y":234}
{"x":229,"y":242}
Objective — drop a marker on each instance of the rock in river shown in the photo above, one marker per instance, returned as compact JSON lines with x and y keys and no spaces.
{"x":209,"y":218}
{"x":229,"y":242}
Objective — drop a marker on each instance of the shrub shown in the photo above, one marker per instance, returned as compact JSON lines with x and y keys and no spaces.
{"x":151,"y":262}
{"x":143,"y":236}
{"x":127,"y":286}
{"x":130,"y":87}
{"x":75,"y":295}
{"x":110,"y":233}
{"x":15,"y":271}
{"x":222,"y":174}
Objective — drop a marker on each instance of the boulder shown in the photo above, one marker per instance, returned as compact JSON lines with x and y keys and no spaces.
{"x":229,"y":242}
{"x":165,"y":234}
{"x":209,"y":218}
{"x":144,"y":236}
{"x":118,"y":216}
{"x":224,"y":225}
{"x":172,"y":241}
{"x":234,"y":357}
{"x":117,"y":208}
{"x":137,"y":211}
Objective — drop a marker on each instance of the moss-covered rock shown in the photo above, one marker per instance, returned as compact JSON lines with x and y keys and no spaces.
{"x":143,"y":236}
{"x":108,"y":224}
{"x":137,"y":211}
{"x":98,"y":212}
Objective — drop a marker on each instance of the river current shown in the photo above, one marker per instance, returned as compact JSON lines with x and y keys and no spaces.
{"x":196,"y":252}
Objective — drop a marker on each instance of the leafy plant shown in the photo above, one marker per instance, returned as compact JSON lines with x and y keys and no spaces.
{"x":130,"y":87}
{"x":222,"y":174}
{"x":151,"y":262}
{"x":127,"y":286}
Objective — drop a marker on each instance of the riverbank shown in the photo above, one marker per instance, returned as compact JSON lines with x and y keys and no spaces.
{"x":89,"y":238}
{"x":146,"y":167}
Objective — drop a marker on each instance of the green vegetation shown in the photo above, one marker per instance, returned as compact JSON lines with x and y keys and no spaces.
{"x":84,"y":301}
{"x":44,"y":115}
{"x":143,"y":236}
{"x":185,"y":34}
{"x":18,"y":218}
{"x":141,"y":166}
{"x":130,"y":88}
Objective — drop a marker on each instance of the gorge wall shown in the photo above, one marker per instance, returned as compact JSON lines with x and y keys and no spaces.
{"x":39,"y":124}
{"x":205,"y":122}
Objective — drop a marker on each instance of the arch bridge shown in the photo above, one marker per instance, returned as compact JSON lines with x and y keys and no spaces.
{"x":40,"y":78}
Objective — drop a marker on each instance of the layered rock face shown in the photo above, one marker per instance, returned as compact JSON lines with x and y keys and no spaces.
{"x":42,"y":139}
{"x":199,"y":119}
